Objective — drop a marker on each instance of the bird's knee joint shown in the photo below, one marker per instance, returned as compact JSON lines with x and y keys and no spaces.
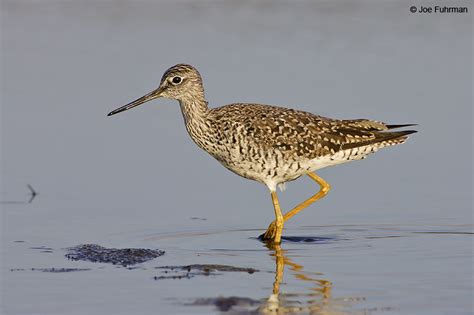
{"x":326,"y":188}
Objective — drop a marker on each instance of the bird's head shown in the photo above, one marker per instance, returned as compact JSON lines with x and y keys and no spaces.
{"x":181,"y":82}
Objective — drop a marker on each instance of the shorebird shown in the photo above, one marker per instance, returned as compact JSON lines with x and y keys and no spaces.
{"x":270,"y":144}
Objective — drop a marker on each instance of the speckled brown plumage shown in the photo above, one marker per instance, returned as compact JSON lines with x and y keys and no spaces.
{"x":269,"y":144}
{"x":282,"y":144}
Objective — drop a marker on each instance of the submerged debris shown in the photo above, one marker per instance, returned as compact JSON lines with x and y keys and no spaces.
{"x":225,"y":304}
{"x":210,"y":268}
{"x":33,"y":194}
{"x":53,"y":270}
{"x":198,"y":218}
{"x":124,"y":256}
{"x":43,"y":249}
{"x":189,"y":271}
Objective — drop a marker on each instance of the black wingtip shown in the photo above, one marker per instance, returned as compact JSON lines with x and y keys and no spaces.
{"x":400,"y":126}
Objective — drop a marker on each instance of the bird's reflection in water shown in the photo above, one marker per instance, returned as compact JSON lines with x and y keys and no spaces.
{"x":318,"y":299}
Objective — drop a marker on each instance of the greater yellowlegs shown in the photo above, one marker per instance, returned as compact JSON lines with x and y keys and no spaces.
{"x":270,"y":144}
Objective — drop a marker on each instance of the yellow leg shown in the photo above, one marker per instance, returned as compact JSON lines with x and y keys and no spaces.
{"x":273,"y":228}
{"x":279,"y":221}
{"x":325,"y":187}
{"x":274,"y":236}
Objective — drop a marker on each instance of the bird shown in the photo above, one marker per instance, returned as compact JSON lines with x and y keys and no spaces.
{"x":270,"y":144}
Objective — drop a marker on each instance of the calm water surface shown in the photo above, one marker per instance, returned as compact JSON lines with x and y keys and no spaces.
{"x":394,"y":236}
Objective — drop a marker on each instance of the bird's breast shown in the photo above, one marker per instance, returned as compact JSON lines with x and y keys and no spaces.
{"x":238,"y":152}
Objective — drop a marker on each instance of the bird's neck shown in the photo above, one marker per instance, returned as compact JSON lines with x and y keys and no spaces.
{"x":195,"y":112}
{"x":194,"y":109}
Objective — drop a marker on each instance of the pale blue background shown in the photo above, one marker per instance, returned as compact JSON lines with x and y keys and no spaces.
{"x":116,"y":180}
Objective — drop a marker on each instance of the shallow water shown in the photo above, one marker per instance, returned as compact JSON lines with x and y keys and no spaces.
{"x":345,"y":269}
{"x":394,"y":236}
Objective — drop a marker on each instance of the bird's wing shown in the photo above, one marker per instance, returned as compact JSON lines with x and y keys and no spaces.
{"x":307,"y":135}
{"x":372,"y":125}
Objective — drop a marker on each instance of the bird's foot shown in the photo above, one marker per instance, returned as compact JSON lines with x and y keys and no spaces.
{"x":273,"y":233}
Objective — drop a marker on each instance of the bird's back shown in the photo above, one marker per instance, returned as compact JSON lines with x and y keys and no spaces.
{"x":299,"y":133}
{"x":265,"y":142}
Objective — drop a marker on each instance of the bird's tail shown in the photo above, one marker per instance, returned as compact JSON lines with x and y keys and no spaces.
{"x":400,"y":126}
{"x":393,"y":138}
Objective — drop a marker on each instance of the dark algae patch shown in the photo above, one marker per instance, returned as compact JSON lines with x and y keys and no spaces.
{"x":225,"y":304}
{"x":52,"y":270}
{"x":210,"y":268}
{"x":115,"y":256}
{"x":189,"y":271}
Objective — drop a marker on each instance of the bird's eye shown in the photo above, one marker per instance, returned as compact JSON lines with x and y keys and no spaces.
{"x":177,"y":80}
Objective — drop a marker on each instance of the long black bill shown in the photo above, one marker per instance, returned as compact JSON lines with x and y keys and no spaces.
{"x":150,"y":96}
